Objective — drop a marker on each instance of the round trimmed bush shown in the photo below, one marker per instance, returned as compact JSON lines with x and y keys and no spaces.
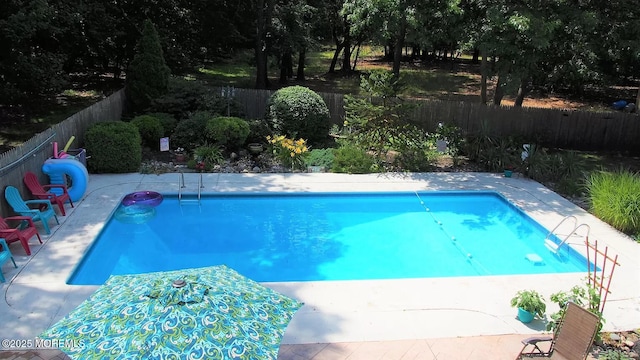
{"x":114,"y":147}
{"x":352,"y":160}
{"x":191,"y":133}
{"x":230,"y":132}
{"x":299,"y":112}
{"x":150,"y":130}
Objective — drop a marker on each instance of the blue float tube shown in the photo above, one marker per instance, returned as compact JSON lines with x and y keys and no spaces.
{"x":145,"y":198}
{"x":59,"y":169}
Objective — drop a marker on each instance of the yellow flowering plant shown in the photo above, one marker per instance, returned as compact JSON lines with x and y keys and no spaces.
{"x":291,"y":152}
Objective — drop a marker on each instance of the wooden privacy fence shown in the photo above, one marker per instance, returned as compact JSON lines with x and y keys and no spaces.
{"x":32,"y":154}
{"x":568,"y":129}
{"x":578,"y":130}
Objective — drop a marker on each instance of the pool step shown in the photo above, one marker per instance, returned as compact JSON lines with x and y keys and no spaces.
{"x":183,"y":198}
{"x":190,"y":199}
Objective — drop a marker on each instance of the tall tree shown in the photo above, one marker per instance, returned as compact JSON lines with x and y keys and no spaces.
{"x":148,"y":74}
{"x":263,"y":11}
{"x":291,"y":33}
{"x":31,"y":61}
{"x":340,"y":30}
{"x":517,"y":37}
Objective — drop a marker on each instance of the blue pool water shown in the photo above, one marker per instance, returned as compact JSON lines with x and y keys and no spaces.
{"x":328,"y":236}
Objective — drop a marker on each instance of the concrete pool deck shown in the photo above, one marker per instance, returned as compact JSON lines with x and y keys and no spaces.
{"x":405,"y":314}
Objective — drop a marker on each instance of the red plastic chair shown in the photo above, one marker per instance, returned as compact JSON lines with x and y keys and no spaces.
{"x":42,"y":191}
{"x":21,"y":233}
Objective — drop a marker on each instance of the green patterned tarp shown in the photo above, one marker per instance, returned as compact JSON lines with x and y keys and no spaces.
{"x":218,"y":314}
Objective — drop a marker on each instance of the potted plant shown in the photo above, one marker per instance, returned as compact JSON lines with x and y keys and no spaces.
{"x":508,"y":171}
{"x":529,"y":303}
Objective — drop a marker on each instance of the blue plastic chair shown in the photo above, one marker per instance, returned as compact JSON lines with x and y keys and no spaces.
{"x":43,"y":213}
{"x":5,"y":255}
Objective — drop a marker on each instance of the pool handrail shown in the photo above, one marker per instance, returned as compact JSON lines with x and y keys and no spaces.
{"x":552,"y":246}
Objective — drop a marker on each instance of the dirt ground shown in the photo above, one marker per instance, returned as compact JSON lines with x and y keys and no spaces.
{"x":469,"y":90}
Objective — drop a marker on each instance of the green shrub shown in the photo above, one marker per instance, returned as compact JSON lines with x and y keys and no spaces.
{"x":191,"y":133}
{"x":585,"y":296}
{"x":206,"y":157}
{"x":182,"y":98}
{"x":258,"y":131}
{"x":380,"y":83}
{"x":167,"y":121}
{"x":378,"y":123}
{"x":320,"y":157}
{"x":615,"y":199}
{"x":538,"y":165}
{"x":298,"y":112}
{"x":567,"y":170}
{"x":187,"y":96}
{"x":217,"y":104}
{"x":147,"y":74}
{"x":230,"y":132}
{"x":352,"y":160}
{"x":454,"y":138}
{"x":114,"y":147}
{"x":150,"y":130}
{"x":417,"y":151}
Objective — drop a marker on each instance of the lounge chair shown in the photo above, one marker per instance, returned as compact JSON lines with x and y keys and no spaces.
{"x":572,"y":340}
{"x":5,"y":255}
{"x":39,"y":191}
{"x":22,"y":232}
{"x":20,"y":206}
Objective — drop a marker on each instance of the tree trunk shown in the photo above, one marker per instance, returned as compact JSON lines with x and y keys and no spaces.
{"x":285,"y":66}
{"x":397,"y":54}
{"x":499,"y":93}
{"x":301,"y":60}
{"x":476,"y":56}
{"x":523,"y":90}
{"x":355,"y":60}
{"x":346,"y":54}
{"x":483,"y":78}
{"x":415,"y":52}
{"x":262,"y":80}
{"x":638,"y":99}
{"x":346,"y":59}
{"x":290,"y":65}
{"x":388,"y":50}
{"x":336,"y":54}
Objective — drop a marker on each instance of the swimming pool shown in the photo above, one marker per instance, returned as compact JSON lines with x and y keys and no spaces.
{"x":329,"y":236}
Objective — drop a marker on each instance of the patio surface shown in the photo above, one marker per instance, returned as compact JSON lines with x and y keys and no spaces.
{"x":437,"y":318}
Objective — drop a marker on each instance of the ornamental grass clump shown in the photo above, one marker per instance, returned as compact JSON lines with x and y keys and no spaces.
{"x":291,"y":152}
{"x":615,"y":199}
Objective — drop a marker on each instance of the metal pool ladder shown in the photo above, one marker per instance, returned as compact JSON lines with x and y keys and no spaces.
{"x":182,"y":185}
{"x":552,"y":246}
